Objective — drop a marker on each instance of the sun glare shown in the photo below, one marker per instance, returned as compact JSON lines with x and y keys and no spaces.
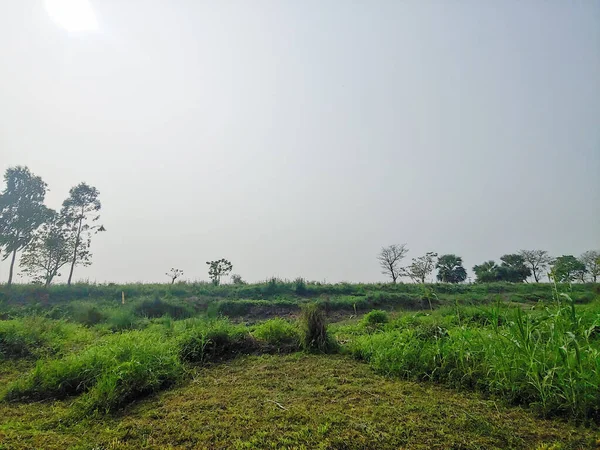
{"x":75,"y":16}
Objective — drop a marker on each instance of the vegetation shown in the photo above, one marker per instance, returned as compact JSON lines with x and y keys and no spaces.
{"x":389,"y":260}
{"x":450,"y":269}
{"x":218,"y":269}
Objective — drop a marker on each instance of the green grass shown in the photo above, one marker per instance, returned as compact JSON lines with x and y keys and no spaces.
{"x":548,"y":359}
{"x":295,"y":401}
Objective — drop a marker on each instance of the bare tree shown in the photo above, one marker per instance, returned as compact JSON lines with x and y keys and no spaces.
{"x":174,"y":273}
{"x":421,"y":267}
{"x":389,"y":259}
{"x":537,"y":260}
{"x":591,"y":259}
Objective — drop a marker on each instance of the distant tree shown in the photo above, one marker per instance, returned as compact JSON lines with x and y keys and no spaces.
{"x":567,"y":268}
{"x":237,"y":279}
{"x":513,"y":269}
{"x":421,"y":267}
{"x":173,"y":274}
{"x":450,"y":269}
{"x":591,"y":261}
{"x":49,"y":250}
{"x":22,"y":211}
{"x":389,"y":260}
{"x":82,"y":212}
{"x":537,"y":260}
{"x":217,"y":269}
{"x":486,"y":272}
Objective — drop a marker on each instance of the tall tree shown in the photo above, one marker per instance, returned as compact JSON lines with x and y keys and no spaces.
{"x":81,"y":211}
{"x":486,"y":272}
{"x":537,"y":260}
{"x":49,"y":250}
{"x":567,"y":268}
{"x":22,"y":211}
{"x":513,"y":269}
{"x":450,"y":269}
{"x":389,"y":260}
{"x":591,"y":261}
{"x":421,"y":267}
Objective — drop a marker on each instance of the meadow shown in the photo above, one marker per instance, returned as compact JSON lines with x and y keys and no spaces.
{"x":297,"y":364}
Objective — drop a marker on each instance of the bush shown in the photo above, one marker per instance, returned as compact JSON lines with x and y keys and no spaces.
{"x":278,"y":332}
{"x":156,"y":307}
{"x":36,"y":337}
{"x":314,"y":329}
{"x":375,"y":318}
{"x":202,"y":341}
{"x":115,"y":370}
{"x":87,"y":314}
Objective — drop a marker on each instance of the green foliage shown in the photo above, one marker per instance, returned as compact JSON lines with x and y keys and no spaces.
{"x":217,"y":269}
{"x":206,"y":340}
{"x":547,"y":359}
{"x":300,"y":286}
{"x":87,"y":313}
{"x":81,"y":212}
{"x":486,"y":272}
{"x":567,"y":268}
{"x":375,"y":318}
{"x":22,"y":211}
{"x":36,"y":337}
{"x":591,"y":261}
{"x":114,"y":371}
{"x":421,"y":267}
{"x":513,"y":269}
{"x":450,"y":269}
{"x":49,"y":250}
{"x":278,"y":332}
{"x":314,"y":329}
{"x":157,"y":307}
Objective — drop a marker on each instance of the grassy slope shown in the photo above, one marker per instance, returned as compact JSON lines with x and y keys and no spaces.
{"x":329,"y":401}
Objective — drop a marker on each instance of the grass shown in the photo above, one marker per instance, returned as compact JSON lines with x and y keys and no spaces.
{"x":294,"y":401}
{"x":549,"y":359}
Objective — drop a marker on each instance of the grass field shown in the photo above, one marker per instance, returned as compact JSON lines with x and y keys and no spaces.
{"x":481,"y":366}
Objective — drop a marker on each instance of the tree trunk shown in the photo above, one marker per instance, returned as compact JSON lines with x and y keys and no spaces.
{"x":12,"y":266}
{"x":535,"y":276}
{"x":75,"y":252}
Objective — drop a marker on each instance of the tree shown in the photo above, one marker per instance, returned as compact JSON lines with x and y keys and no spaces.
{"x":22,"y":211}
{"x":486,"y":272}
{"x":591,"y":261}
{"x":421,"y":267}
{"x":81,"y":211}
{"x":217,"y":269}
{"x":450,"y":269}
{"x":389,"y":260}
{"x":537,"y":261}
{"x":173,"y":274}
{"x":567,"y":268}
{"x":49,"y":250}
{"x":237,"y":279}
{"x":513,"y":269}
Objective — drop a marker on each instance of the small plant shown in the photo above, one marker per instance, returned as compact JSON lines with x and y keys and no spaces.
{"x":375,"y":318}
{"x":314,"y":329}
{"x":218,"y":269}
{"x":300,"y":286}
{"x":237,"y":279}
{"x":278,"y":332}
{"x":173,"y":274}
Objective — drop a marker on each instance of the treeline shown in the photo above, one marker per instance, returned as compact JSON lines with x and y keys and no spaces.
{"x":513,"y":268}
{"x":49,"y":240}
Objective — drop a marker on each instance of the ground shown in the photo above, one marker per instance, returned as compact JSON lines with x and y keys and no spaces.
{"x":295,"y":401}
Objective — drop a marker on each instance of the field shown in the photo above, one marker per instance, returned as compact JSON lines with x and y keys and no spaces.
{"x":300,"y":365}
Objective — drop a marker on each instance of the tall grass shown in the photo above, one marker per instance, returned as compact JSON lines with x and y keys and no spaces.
{"x":314,"y":329}
{"x":113,"y":371}
{"x":547,"y":359}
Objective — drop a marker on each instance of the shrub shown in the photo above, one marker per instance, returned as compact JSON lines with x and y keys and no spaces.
{"x":300,"y":286}
{"x":156,"y":307}
{"x":202,"y":341}
{"x":115,"y":370}
{"x":375,"y":318}
{"x":87,"y":314}
{"x":314,"y":329}
{"x":278,"y":332}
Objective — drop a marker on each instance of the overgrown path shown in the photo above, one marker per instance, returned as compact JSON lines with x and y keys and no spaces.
{"x":293,"y":401}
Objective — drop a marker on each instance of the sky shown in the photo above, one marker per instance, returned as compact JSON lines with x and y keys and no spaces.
{"x":296,"y":138}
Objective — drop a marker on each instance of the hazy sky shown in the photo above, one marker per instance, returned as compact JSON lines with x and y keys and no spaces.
{"x":295,"y":138}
